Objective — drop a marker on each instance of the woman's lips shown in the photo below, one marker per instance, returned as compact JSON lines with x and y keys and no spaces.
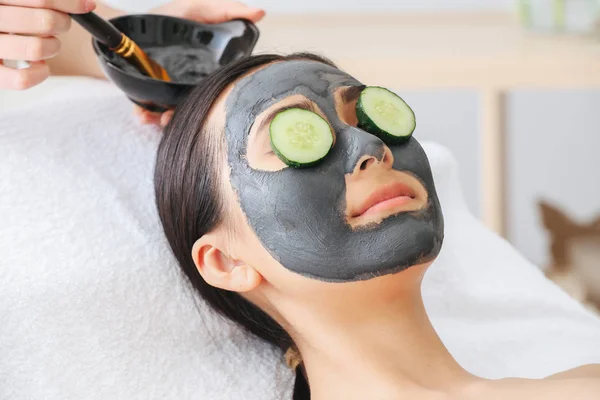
{"x":388,"y":198}
{"x":387,"y":205}
{"x":373,"y":198}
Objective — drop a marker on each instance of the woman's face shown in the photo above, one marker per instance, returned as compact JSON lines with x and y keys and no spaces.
{"x":367,"y":209}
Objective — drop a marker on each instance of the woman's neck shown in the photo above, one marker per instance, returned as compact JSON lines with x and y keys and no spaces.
{"x":382,"y":348}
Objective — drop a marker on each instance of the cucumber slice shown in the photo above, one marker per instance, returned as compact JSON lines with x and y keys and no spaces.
{"x":384,"y":114}
{"x":300,"y":138}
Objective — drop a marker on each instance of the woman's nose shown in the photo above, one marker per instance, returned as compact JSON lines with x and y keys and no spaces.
{"x":366,"y":150}
{"x":365,"y":162}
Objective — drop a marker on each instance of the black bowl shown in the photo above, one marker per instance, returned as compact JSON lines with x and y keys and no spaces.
{"x":224,"y":42}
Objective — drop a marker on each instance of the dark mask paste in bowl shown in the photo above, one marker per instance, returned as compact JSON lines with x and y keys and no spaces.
{"x":184,"y":64}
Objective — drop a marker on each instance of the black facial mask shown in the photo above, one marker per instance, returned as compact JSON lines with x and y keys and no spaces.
{"x":299,"y":214}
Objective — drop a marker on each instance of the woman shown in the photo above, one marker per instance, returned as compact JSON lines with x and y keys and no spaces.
{"x":324,"y":262}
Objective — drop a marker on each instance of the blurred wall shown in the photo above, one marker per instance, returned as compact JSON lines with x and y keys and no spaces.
{"x":378,"y":5}
{"x":553,"y":146}
{"x":288,"y":6}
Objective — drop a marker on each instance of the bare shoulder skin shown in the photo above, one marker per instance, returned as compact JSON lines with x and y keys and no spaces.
{"x":581,"y":383}
{"x":585,"y":371}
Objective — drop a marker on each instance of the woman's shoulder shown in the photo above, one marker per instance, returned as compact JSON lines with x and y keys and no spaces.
{"x":582,"y":383}
{"x":585,"y":371}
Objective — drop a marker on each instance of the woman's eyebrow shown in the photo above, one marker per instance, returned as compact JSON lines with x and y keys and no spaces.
{"x":352,"y":93}
{"x":303,"y":104}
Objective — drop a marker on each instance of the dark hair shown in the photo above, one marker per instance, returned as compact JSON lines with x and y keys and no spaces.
{"x":189,"y":200}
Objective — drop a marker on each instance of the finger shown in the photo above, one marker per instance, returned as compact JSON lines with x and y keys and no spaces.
{"x":66,"y":6}
{"x":21,"y":79}
{"x":28,"y":48}
{"x":165,"y":118}
{"x":214,"y":13}
{"x":149,"y":118}
{"x":33,"y":21}
{"x":146,"y":117}
{"x":236,"y":9}
{"x":138,"y":111}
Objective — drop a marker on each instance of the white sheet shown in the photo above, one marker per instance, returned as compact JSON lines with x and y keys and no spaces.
{"x":92,"y":304}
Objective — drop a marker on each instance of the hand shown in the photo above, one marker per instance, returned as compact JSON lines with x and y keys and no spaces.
{"x":204,"y":11}
{"x":34,"y":25}
{"x":210,"y":11}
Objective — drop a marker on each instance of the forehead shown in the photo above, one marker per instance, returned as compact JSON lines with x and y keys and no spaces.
{"x":259,"y":90}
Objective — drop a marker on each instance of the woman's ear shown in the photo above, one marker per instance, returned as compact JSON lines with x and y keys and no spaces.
{"x":221,"y":270}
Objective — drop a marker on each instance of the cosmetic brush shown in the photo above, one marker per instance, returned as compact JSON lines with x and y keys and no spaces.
{"x":117,"y":41}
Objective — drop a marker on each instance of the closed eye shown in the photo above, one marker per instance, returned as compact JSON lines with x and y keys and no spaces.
{"x":303,"y":104}
{"x":259,"y":152}
{"x":352,"y":93}
{"x":345,"y":104}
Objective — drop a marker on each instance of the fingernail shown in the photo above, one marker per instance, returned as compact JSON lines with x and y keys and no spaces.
{"x":90,"y":5}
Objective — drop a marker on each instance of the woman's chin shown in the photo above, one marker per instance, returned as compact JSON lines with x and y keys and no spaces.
{"x":396,"y":276}
{"x":394,"y":285}
{"x":411,"y":271}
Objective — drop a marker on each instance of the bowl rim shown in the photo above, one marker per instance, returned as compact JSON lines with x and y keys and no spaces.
{"x":109,"y":64}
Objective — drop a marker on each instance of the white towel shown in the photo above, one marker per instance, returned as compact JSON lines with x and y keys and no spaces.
{"x":92,"y":305}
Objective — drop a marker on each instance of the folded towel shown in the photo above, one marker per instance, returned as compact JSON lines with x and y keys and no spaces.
{"x":93,"y":306}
